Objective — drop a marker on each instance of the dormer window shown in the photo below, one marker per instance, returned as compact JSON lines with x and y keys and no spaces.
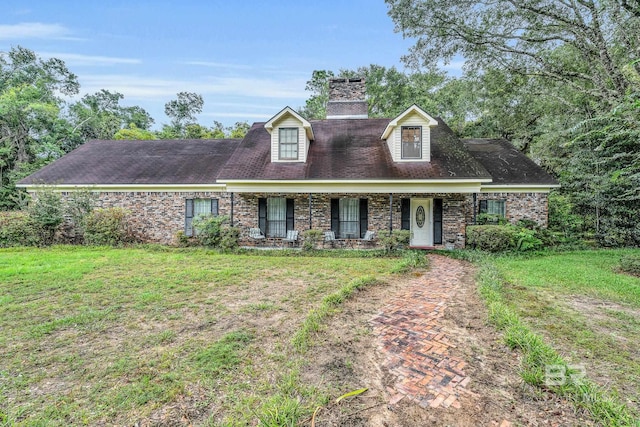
{"x":288,"y":141}
{"x":411,"y":142}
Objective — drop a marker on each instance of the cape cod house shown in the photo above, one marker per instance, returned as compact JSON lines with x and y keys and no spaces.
{"x":347,"y":173}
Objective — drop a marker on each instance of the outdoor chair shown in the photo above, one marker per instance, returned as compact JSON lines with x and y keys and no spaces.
{"x":257,"y":234}
{"x":329,"y":237}
{"x":292,"y":237}
{"x":369,"y":238}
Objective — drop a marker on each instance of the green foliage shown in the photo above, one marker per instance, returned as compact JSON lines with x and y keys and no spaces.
{"x":134,"y":133}
{"x":630,"y":264}
{"x":525,"y":239}
{"x":397,"y":240}
{"x":215,"y":232}
{"x":100,"y":116}
{"x":47,"y":214}
{"x":108,"y":227}
{"x":312,"y":239}
{"x":17,"y":229}
{"x":184,"y":109}
{"x":79,"y":205}
{"x":492,"y":238}
{"x":492,"y":219}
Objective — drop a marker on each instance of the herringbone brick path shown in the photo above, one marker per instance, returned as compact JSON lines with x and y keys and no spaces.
{"x":415,"y":349}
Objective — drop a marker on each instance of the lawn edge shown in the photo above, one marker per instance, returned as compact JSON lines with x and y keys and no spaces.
{"x":537,"y":355}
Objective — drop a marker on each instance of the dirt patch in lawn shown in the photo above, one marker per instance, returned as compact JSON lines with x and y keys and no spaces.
{"x":346,"y":357}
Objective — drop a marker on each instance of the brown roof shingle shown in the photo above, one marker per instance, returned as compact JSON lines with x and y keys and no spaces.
{"x":351,"y":149}
{"x":138,"y":162}
{"x":507,"y":164}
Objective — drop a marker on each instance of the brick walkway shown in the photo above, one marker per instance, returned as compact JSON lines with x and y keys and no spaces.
{"x":416,"y":351}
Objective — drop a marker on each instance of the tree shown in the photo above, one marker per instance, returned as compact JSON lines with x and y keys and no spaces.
{"x":590,"y":46}
{"x":133,"y":132}
{"x":238,"y":130}
{"x":100,"y":115}
{"x":183,"y":110}
{"x":32,"y":131}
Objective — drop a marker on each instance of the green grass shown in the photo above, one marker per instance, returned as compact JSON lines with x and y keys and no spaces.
{"x":574,"y":310}
{"x":113,"y":336}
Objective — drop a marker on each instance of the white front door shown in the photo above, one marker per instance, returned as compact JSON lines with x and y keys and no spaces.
{"x":421,"y":222}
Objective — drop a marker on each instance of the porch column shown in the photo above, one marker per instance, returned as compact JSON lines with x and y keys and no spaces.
{"x":310,"y":213}
{"x":390,"y":213}
{"x":475,"y":208}
{"x":231,"y":216}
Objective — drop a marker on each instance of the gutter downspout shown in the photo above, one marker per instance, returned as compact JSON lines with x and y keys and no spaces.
{"x":231,"y":216}
{"x":390,"y":213}
{"x":475,"y":208}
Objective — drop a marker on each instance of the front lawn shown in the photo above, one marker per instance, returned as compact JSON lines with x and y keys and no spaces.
{"x":587,"y":309}
{"x":115,"y":336}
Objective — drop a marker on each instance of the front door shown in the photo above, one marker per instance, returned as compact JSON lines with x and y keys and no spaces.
{"x":421,"y":222}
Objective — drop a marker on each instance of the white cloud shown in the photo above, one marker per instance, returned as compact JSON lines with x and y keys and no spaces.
{"x":240,"y":115}
{"x":34,"y":30}
{"x":218,"y":65}
{"x":79,"y":59}
{"x":139,"y":87}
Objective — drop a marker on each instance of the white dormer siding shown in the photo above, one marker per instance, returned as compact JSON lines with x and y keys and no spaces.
{"x":415,"y":122}
{"x":287,"y":121}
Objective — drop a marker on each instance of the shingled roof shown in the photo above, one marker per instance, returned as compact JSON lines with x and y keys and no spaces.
{"x":139,"y":162}
{"x":343,"y":149}
{"x":351,"y":149}
{"x":507,"y":164}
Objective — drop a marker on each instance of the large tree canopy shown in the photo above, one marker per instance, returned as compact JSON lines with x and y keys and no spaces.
{"x":590,"y":46}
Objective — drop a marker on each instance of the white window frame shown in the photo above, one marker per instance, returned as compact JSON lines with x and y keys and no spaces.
{"x":417,"y":142}
{"x":349,"y":228}
{"x":276,"y":217}
{"x":285,"y":136}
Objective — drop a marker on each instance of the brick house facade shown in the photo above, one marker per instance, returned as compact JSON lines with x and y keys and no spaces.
{"x":347,"y":173}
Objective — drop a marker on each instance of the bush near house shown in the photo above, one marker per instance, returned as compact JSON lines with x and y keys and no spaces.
{"x":499,"y":238}
{"x":17,"y":229}
{"x":108,"y":227}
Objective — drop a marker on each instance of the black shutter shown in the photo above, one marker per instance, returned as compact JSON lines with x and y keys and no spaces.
{"x":364,"y":217}
{"x":262,"y":215}
{"x":483,"y":206}
{"x":405,"y":214}
{"x":437,"y":221}
{"x":188,"y":217}
{"x":290,"y":215}
{"x":335,"y":216}
{"x":214,"y":207}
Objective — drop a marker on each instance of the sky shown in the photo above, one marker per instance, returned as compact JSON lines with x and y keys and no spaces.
{"x":248,"y":59}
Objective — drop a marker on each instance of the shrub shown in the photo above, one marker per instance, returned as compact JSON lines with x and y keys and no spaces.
{"x":108,"y":227}
{"x":311,"y":239}
{"x":229,"y":238}
{"x":630,"y":264}
{"x":215,"y":232}
{"x":491,"y":219}
{"x":17,"y":229}
{"x":46,"y":214}
{"x":492,"y":238}
{"x":526,"y":239}
{"x":398,"y":239}
{"x":79,"y":205}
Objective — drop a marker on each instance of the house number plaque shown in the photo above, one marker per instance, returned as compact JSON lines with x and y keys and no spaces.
{"x":420,"y":216}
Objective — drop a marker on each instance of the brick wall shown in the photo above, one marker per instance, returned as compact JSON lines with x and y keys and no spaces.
{"x":160,"y":215}
{"x":533,"y":206}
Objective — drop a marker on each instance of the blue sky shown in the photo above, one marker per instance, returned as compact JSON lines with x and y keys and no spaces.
{"x":248,"y":59}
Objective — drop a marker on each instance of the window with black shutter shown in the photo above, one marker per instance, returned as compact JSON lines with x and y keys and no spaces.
{"x":405,"y":214}
{"x":437,"y":221}
{"x":195,"y":208}
{"x":349,"y":217}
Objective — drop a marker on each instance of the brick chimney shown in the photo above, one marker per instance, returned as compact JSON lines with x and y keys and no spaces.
{"x":347,"y":99}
